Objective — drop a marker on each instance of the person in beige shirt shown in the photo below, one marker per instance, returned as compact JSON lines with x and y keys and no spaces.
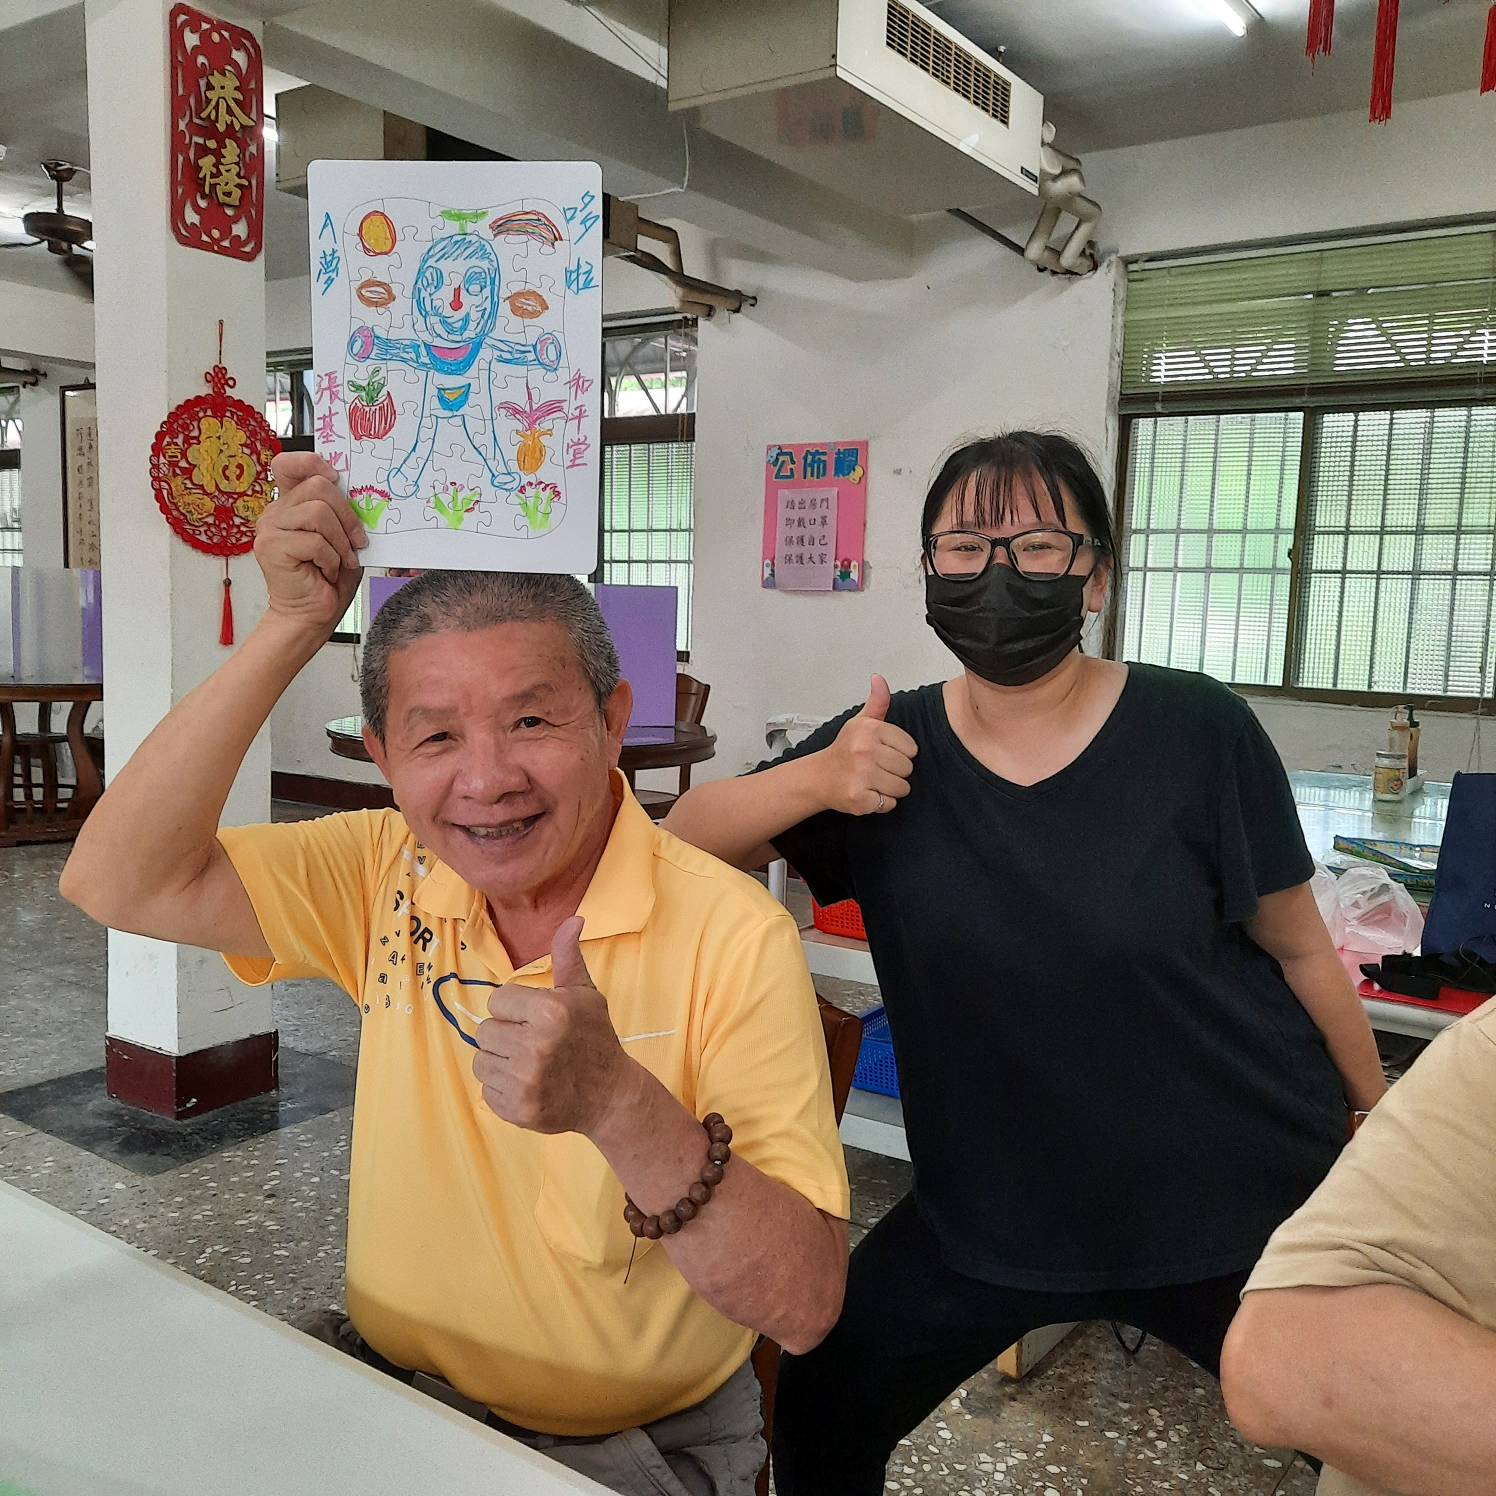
{"x":1367,"y":1333}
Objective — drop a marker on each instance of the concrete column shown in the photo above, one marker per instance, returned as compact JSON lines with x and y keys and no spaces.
{"x":182,"y":1034}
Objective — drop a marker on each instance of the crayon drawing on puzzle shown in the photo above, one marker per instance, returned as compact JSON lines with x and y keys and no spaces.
{"x":457,"y":336}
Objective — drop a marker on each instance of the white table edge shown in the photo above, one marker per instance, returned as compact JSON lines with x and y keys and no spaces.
{"x":388,"y":1386}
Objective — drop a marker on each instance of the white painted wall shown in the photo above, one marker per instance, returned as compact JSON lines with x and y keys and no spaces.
{"x":39,"y":323}
{"x":1433,"y":160}
{"x":975,"y":341}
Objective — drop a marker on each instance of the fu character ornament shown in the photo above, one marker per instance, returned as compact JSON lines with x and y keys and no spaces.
{"x":210,"y":471}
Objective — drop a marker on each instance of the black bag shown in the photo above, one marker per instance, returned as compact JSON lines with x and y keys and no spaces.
{"x":1462,"y":916}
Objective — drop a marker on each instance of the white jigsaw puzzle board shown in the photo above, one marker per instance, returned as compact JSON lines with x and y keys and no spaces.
{"x":456,"y":357}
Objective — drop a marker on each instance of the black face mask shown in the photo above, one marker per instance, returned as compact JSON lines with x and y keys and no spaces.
{"x":1005,"y":627}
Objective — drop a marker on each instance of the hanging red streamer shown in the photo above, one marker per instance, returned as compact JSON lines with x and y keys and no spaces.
{"x":226,"y":618}
{"x":1488,"y":61}
{"x":1384,"y":61}
{"x":1321,"y":28}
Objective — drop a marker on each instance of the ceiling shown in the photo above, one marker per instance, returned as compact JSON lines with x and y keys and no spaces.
{"x":1114,"y":73}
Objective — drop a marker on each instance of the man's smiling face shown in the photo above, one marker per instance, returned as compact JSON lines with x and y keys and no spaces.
{"x":499,"y":755}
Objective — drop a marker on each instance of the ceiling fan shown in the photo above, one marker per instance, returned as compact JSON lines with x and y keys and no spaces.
{"x":64,"y":233}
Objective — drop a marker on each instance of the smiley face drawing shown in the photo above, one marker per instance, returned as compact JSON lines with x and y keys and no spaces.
{"x":455,"y":304}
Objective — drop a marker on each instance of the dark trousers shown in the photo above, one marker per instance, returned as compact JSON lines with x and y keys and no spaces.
{"x":912,"y":1331}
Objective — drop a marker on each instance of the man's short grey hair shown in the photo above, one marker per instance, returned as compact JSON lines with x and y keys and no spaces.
{"x":466,"y":601}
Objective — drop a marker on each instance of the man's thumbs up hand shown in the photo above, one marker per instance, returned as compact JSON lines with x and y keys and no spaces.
{"x":548,"y":1058}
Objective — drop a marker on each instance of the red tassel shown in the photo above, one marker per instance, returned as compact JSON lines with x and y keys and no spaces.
{"x":1383,"y":61}
{"x":226,"y":622}
{"x":1488,"y":62}
{"x":1321,"y":28}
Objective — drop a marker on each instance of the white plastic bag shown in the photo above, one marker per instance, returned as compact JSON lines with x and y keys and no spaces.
{"x":1378,"y":913}
{"x":1322,"y":885}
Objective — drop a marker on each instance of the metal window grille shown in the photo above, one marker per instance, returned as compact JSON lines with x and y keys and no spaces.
{"x":1400,"y":548}
{"x":10,"y":507}
{"x":1211,"y":505}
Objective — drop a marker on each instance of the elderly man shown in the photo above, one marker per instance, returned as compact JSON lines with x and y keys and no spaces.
{"x":556,"y":996}
{"x":1367,"y":1333}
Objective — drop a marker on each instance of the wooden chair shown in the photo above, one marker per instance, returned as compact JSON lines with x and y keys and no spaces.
{"x":690,"y":699}
{"x":37,"y":753}
{"x":690,"y":706}
{"x":843,"y":1032}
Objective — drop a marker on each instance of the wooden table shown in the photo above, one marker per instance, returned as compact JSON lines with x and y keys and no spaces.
{"x":643,"y":747}
{"x":56,"y":817}
{"x":121,"y":1374}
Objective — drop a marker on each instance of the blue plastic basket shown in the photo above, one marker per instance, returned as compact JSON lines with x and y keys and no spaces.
{"x":876,"y":1070}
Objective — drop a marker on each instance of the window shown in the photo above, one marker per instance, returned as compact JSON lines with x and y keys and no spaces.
{"x":648,"y":430}
{"x":1309,"y":501}
{"x":288,"y":397}
{"x":288,"y":409}
{"x":10,"y":476}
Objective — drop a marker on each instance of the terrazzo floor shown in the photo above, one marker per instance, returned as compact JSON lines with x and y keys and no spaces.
{"x":255,"y":1204}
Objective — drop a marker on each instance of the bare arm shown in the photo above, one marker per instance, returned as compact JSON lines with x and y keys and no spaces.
{"x":148,"y":858}
{"x":864,"y":772}
{"x":759,"y":1253}
{"x":1380,"y":1381}
{"x":1289,"y":928}
{"x":738,"y":819}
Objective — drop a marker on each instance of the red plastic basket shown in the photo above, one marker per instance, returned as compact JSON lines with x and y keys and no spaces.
{"x":844,"y":919}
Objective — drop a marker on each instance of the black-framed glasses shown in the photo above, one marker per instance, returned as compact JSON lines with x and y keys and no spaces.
{"x":1046,"y":555}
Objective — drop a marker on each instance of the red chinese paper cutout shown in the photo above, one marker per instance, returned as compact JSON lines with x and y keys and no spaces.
{"x":217,"y":144}
{"x":210,"y":472}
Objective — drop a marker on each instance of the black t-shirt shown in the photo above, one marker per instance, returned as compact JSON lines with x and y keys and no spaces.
{"x":1106,"y":1083}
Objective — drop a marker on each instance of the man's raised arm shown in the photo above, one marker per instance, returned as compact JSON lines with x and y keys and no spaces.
{"x":148,"y":859}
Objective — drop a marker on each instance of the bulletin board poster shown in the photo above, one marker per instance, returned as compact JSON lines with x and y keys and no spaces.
{"x":815,"y":516}
{"x":457,"y":357}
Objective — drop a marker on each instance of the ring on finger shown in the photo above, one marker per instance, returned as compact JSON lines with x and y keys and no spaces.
{"x":881,"y":802}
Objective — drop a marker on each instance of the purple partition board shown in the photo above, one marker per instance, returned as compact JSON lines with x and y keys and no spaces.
{"x":381,"y":590}
{"x":54,"y":624}
{"x":642,"y":622}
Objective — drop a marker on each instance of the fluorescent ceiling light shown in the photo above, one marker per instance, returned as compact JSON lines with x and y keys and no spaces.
{"x":1234,"y":15}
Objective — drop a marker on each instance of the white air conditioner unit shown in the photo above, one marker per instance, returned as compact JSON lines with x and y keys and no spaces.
{"x":878,"y":100}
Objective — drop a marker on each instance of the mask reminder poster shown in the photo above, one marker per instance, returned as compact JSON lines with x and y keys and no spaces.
{"x":815,"y":513}
{"x":456,"y":354}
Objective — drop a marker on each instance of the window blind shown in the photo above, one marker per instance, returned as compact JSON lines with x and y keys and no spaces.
{"x":1392,"y":311}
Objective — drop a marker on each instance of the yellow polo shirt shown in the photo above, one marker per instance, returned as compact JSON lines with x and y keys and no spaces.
{"x":493,"y":1256}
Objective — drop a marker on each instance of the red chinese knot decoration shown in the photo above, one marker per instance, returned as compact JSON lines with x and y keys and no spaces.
{"x":217,"y":140}
{"x":210,"y":470}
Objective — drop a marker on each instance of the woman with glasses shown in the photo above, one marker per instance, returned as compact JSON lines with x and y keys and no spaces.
{"x":1126,"y":1046}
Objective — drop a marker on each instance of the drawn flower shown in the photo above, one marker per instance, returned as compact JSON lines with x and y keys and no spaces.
{"x":531,"y":453}
{"x":369,"y":503}
{"x":455,"y":506}
{"x":537,"y":501}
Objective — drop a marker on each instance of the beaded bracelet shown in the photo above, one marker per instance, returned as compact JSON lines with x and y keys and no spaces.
{"x":668,"y":1222}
